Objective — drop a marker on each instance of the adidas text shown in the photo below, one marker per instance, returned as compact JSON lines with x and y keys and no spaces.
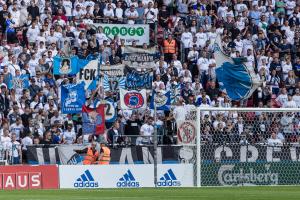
{"x":86,"y":185}
{"x":168,"y":183}
{"x":86,"y":180}
{"x":125,"y":184}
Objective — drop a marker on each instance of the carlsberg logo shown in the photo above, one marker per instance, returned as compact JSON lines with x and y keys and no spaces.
{"x":228,"y":176}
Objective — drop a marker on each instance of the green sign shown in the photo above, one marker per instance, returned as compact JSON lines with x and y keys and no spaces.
{"x":128,"y":32}
{"x":264,"y":173}
{"x":131,"y":31}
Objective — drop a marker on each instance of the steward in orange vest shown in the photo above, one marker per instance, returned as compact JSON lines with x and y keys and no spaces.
{"x":104,"y":157}
{"x":91,"y":154}
{"x":169,"y":48}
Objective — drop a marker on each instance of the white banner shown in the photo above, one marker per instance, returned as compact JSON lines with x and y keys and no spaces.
{"x":106,"y":176}
{"x":133,"y":99}
{"x":128,"y":32}
{"x":125,"y":176}
{"x":175,"y":175}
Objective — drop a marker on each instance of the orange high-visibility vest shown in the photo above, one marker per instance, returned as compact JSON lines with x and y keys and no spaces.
{"x":169,"y":47}
{"x":90,"y":158}
{"x":106,"y":156}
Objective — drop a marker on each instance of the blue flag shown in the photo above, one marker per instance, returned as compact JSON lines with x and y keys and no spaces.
{"x":235,"y":79}
{"x":88,"y":72}
{"x":72,"y":98}
{"x":162,"y":100}
{"x":19,"y":82}
{"x":136,"y":80}
{"x":65,"y":65}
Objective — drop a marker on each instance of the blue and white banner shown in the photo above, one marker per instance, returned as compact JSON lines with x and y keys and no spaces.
{"x":136,"y":80}
{"x":235,"y":79}
{"x":175,"y":92}
{"x":19,"y":82}
{"x":65,"y":65}
{"x":112,"y":70}
{"x":162,"y":100}
{"x":140,"y":58}
{"x":113,"y":83}
{"x":110,"y":110}
{"x":113,"y":77}
{"x":88,"y":73}
{"x":72,"y":98}
{"x":125,"y":176}
{"x":133,"y":99}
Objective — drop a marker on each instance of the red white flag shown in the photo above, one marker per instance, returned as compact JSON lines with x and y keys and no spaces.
{"x":93,"y":120}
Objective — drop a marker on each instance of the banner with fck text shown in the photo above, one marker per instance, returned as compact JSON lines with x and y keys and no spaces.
{"x":128,"y":32}
{"x":125,"y":176}
{"x":28,"y":177}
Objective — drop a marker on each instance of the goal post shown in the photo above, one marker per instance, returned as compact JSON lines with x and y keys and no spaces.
{"x":247,"y":146}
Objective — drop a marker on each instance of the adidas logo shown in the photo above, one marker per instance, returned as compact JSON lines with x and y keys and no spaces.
{"x":127,"y":180}
{"x":168,"y":179}
{"x":86,"y":180}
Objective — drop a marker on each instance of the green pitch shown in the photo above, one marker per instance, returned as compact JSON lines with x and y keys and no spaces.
{"x":241,"y":193}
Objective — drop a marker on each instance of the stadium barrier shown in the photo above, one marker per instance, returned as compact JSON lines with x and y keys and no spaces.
{"x":125,"y":176}
{"x":24,"y":177}
{"x":66,"y":154}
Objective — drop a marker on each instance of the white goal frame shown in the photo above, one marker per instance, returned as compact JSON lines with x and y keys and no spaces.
{"x":198,"y":124}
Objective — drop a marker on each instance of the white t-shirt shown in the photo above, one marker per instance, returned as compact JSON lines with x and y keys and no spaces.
{"x":119,"y":13}
{"x":289,"y":104}
{"x":147,"y":130}
{"x":128,"y":13}
{"x":179,"y":113}
{"x":14,"y":128}
{"x":5,"y":141}
{"x":69,"y":137}
{"x":186,"y":39}
{"x":201,"y":39}
{"x":68,"y":7}
{"x":296,"y":98}
{"x":282,"y":98}
{"x":26,"y":141}
{"x":14,"y":148}
{"x":203,"y":64}
{"x":274,"y":142}
{"x":108,"y":13}
{"x":32,"y":34}
{"x":101,"y":37}
{"x":222,"y":11}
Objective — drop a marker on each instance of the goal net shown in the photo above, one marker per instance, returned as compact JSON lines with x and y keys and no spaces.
{"x":248,"y":146}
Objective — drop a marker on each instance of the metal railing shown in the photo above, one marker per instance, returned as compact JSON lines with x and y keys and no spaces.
{"x":132,"y":140}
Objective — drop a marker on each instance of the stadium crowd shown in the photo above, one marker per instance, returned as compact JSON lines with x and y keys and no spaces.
{"x":264,"y":32}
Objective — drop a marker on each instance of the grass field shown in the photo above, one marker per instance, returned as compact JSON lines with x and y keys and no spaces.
{"x":241,"y":193}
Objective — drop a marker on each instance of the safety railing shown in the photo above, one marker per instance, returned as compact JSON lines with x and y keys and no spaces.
{"x":132,"y":140}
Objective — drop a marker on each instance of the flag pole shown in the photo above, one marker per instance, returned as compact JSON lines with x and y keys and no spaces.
{"x":155,"y":144}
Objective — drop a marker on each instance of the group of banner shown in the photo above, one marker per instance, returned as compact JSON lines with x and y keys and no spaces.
{"x":73,"y":98}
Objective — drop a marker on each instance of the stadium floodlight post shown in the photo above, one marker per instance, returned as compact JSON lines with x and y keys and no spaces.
{"x":155,"y":145}
{"x":198,"y":147}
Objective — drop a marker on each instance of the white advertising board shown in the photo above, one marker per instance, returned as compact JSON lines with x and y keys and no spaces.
{"x":175,"y":175}
{"x":125,"y":176}
{"x":128,"y":32}
{"x":106,"y":176}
